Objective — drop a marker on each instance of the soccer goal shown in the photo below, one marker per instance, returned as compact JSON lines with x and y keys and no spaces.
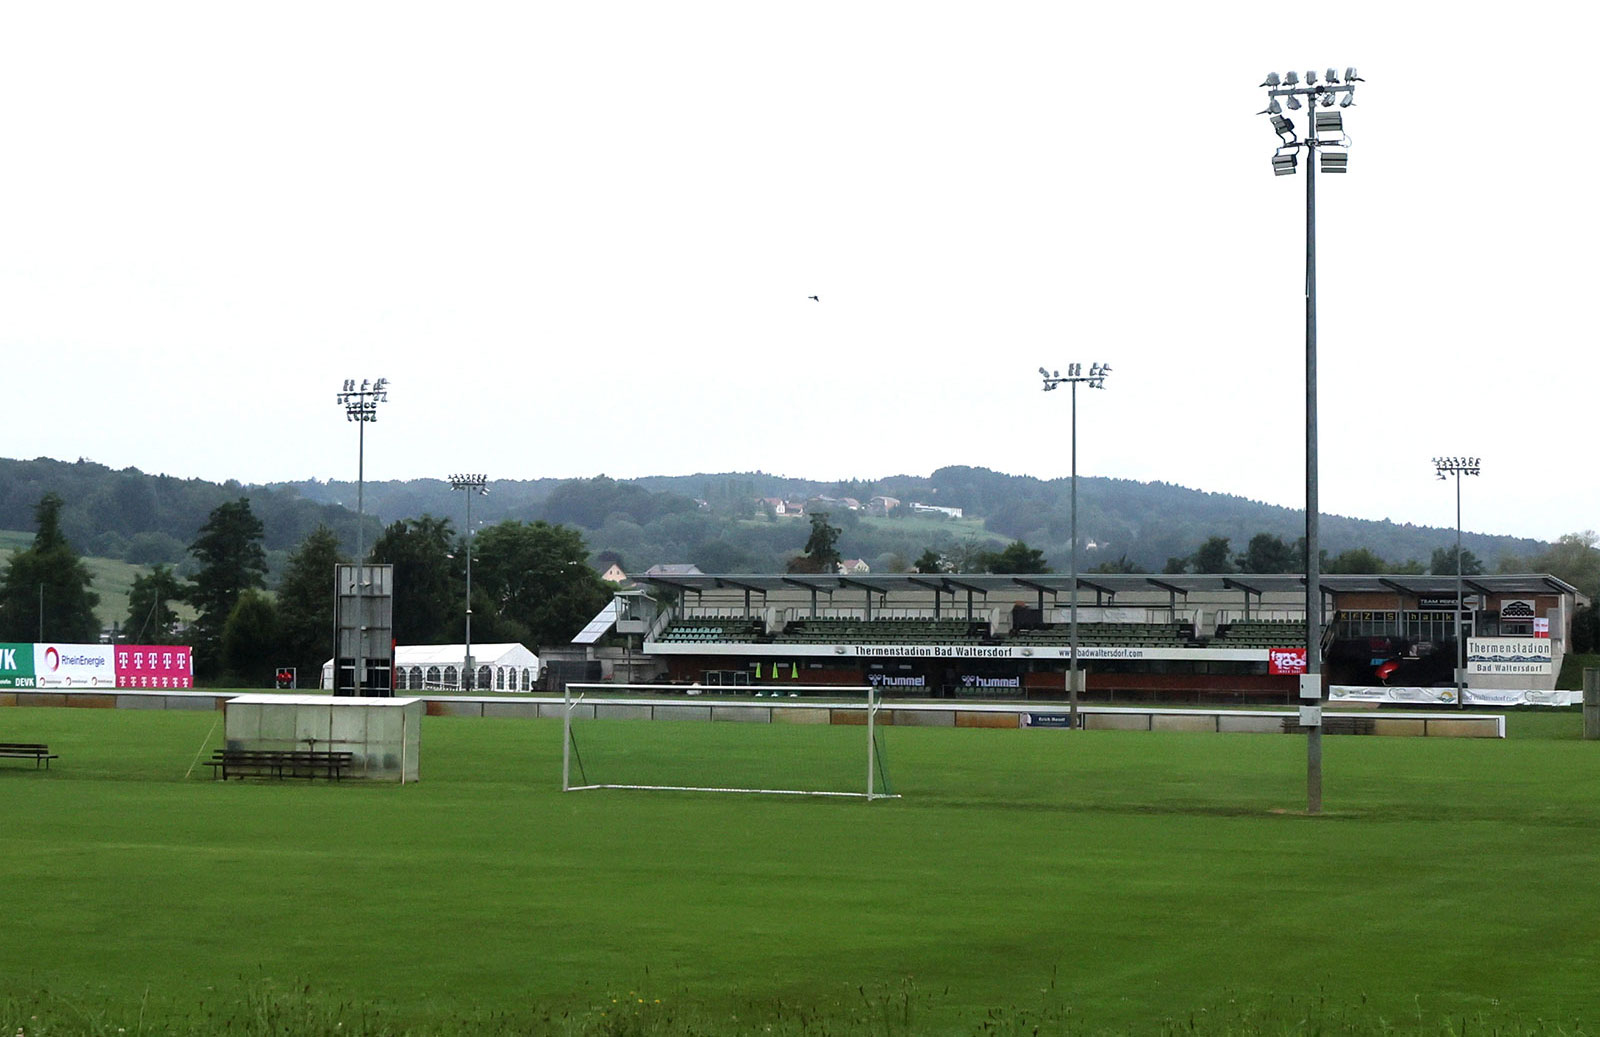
{"x":808,"y":741}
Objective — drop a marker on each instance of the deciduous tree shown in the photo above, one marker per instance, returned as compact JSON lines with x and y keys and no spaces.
{"x":535,"y":583}
{"x":306,"y":605}
{"x":1269,"y":554}
{"x":151,"y":618}
{"x":429,"y":584}
{"x":1356,"y":560}
{"x":1017,"y":557}
{"x":1213,"y":556}
{"x":1444,"y":562}
{"x":250,"y":644}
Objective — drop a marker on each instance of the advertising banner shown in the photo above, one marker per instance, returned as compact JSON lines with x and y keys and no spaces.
{"x":884,"y":680}
{"x":1396,"y":695}
{"x":16,"y":665}
{"x":1047,"y":720}
{"x":1286,"y":660}
{"x":73,"y":666}
{"x":154,"y":666}
{"x":1447,"y":696}
{"x":1508,"y":655}
{"x":978,"y":682}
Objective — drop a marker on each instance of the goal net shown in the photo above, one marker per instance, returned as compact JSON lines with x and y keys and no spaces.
{"x":809,"y":741}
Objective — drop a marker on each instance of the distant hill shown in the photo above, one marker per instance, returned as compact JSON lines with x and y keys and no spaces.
{"x":656,"y":519}
{"x":713,"y":519}
{"x":148,"y":519}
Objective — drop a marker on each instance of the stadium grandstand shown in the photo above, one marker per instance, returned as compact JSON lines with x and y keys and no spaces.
{"x":1207,"y":638}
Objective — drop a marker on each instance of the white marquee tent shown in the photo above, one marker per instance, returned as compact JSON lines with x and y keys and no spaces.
{"x":501,"y":667}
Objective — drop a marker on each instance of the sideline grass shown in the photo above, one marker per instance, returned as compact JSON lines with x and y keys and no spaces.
{"x":1080,"y":882}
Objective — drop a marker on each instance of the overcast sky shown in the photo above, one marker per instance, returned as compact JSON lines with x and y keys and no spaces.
{"x":580,"y":237}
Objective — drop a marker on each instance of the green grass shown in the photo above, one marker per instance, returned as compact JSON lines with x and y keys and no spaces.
{"x":1073,"y":882}
{"x":1572,"y":666}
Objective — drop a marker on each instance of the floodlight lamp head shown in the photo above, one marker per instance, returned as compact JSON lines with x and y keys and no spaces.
{"x":1347,"y":100}
{"x":1332,"y":76}
{"x":1311,"y":77}
{"x":1272,"y":79}
{"x":1044,"y":372}
{"x":1272,"y":108}
{"x":1282,"y":126}
{"x":1294,"y":103}
{"x":1351,"y":77}
{"x":1291,"y":79}
{"x":1327,"y":100}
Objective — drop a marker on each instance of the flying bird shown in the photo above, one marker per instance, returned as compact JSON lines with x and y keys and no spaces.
{"x":813,"y":298}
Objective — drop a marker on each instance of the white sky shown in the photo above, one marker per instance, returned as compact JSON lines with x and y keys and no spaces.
{"x":579,"y":238}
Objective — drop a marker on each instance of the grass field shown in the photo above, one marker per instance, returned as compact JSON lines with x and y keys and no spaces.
{"x":1029,"y":882}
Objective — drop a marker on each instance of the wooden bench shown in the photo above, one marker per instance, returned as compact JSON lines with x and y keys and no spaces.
{"x":1334,"y":724}
{"x":279,"y":763}
{"x":40,"y":754}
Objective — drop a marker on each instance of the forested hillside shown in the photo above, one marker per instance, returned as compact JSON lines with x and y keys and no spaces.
{"x":152,"y":519}
{"x":717,"y":521}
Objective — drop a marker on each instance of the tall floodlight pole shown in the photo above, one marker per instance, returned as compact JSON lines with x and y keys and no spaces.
{"x":361,"y":406}
{"x":1324,"y":129}
{"x":1096,"y":379}
{"x":475,"y":485}
{"x":1458,"y":466}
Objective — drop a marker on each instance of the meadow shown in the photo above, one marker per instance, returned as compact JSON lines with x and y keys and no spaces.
{"x":1027,"y":882}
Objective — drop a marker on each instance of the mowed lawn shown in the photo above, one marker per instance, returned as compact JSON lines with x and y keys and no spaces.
{"x":1079,"y":882}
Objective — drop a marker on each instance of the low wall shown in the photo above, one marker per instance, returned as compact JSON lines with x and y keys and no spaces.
{"x":1451,"y":724}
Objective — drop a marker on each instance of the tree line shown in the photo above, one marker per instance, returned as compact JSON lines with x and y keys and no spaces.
{"x":531,"y":583}
{"x":713,"y":521}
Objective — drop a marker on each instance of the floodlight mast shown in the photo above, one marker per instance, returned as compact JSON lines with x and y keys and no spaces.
{"x":474,"y":485}
{"x":1096,"y":379}
{"x":1458,"y":466}
{"x":1284,"y":161}
{"x":361,"y":406}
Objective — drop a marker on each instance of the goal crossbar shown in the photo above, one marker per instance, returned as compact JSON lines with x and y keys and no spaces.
{"x":864,"y":698}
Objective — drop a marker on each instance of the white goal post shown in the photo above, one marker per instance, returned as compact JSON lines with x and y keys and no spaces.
{"x":668,"y":706}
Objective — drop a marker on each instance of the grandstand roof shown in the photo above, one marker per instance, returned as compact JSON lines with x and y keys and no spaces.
{"x":1111,"y":583}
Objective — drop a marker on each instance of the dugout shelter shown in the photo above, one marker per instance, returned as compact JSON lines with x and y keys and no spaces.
{"x":383,"y":734}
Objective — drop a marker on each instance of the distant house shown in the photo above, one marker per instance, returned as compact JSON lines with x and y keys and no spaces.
{"x":675,"y":569}
{"x":776,"y":505}
{"x":614,"y":574}
{"x":882,"y":505}
{"x":854,"y":567}
{"x":934,"y":509}
{"x":825,"y":503}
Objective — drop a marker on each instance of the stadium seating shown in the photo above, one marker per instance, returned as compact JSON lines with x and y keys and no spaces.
{"x":883,"y":631}
{"x":1128,"y":635}
{"x":1260,"y":633}
{"x":709,"y":631}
